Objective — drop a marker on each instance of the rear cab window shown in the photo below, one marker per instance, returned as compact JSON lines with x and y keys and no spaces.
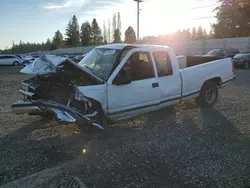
{"x":163,"y":63}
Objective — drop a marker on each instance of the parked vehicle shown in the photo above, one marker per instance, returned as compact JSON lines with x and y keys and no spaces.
{"x":242,"y":60}
{"x":116,"y":82}
{"x":71,"y":57}
{"x":10,"y":60}
{"x":19,"y":56}
{"x":29,"y":59}
{"x":222,"y":53}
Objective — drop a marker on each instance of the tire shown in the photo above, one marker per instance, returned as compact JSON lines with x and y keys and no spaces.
{"x":208,"y":95}
{"x":246,"y":65}
{"x":16,"y":63}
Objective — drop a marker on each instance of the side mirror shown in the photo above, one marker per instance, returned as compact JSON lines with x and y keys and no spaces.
{"x":122,"y":79}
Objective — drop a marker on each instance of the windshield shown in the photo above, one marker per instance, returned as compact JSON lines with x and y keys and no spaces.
{"x":241,"y":56}
{"x":100,"y":62}
{"x":215,"y":52}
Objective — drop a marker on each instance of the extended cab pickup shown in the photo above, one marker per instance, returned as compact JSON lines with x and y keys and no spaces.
{"x":118,"y":81}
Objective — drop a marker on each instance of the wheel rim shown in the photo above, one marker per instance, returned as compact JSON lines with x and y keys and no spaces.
{"x":246,"y":65}
{"x":210,"y":95}
{"x":16,"y":64}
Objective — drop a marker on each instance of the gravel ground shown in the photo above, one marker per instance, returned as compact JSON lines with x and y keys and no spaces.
{"x":180,"y":147}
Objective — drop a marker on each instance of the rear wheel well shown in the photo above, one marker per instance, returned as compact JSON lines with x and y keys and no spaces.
{"x":208,"y":94}
{"x":216,"y":80}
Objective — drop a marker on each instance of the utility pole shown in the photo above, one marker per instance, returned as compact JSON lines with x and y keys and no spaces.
{"x":138,"y":19}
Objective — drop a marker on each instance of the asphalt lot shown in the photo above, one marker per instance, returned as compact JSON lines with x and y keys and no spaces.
{"x":183,"y":147}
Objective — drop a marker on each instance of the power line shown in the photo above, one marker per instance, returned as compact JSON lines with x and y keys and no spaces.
{"x":202,"y":18}
{"x":203,"y":7}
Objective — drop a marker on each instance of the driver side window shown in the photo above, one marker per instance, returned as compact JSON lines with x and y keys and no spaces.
{"x":139,"y":66}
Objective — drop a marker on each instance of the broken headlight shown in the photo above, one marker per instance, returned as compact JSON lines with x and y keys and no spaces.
{"x":79,"y":95}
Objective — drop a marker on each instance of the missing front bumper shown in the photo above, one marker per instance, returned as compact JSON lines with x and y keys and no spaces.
{"x":61,"y":112}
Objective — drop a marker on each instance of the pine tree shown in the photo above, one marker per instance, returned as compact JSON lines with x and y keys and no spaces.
{"x":96,"y":33}
{"x":119,"y":24}
{"x":109,"y":31}
{"x":130,"y":36}
{"x":204,"y":34}
{"x":57,"y":41}
{"x":199,"y":34}
{"x":188,"y":34}
{"x":105,"y":37}
{"x":117,"y":36}
{"x":211,"y":35}
{"x":194,"y":33}
{"x":72,"y":33}
{"x":114,"y":25}
{"x":85,"y":34}
{"x":48,"y":44}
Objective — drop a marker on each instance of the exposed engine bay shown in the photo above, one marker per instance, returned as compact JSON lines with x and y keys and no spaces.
{"x":56,"y":93}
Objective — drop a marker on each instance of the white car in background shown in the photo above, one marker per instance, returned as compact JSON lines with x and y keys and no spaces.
{"x":10,"y":60}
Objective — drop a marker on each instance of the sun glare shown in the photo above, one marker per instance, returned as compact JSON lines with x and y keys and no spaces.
{"x":164,"y":16}
{"x":160,"y":17}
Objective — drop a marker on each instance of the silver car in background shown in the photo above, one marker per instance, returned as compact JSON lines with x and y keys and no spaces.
{"x":10,"y":60}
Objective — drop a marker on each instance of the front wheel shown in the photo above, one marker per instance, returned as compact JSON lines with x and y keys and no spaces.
{"x":16,"y":63}
{"x":208,"y":95}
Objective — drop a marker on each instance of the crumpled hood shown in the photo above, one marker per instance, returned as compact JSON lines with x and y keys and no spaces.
{"x":49,"y":64}
{"x":45,"y":64}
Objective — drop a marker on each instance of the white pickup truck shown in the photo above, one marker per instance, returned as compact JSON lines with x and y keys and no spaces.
{"x":118,"y":81}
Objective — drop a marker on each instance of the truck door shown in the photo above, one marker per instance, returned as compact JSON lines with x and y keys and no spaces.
{"x":138,"y":95}
{"x":168,"y":77}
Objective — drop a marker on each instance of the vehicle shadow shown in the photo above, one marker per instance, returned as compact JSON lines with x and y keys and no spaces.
{"x":29,"y":149}
{"x":215,"y":122}
{"x":226,"y":145}
{"x":156,"y":145}
{"x":149,"y":120}
{"x":164,"y":117}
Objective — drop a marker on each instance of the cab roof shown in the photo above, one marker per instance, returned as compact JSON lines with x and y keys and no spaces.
{"x":120,"y":46}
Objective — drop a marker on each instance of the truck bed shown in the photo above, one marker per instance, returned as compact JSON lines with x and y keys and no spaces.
{"x":197,"y":60}
{"x":194,"y":76}
{"x":190,"y":61}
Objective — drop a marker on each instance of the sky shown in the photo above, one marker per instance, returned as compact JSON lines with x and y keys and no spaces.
{"x":37,"y":20}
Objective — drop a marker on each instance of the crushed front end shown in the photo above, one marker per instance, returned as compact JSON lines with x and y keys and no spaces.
{"x":56,"y":93}
{"x":61,"y":112}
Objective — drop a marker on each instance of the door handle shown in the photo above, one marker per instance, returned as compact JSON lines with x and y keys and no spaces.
{"x":154,"y":85}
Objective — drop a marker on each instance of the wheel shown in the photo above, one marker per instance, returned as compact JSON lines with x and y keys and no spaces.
{"x":208,"y":95}
{"x":246,"y":65}
{"x":16,"y":63}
